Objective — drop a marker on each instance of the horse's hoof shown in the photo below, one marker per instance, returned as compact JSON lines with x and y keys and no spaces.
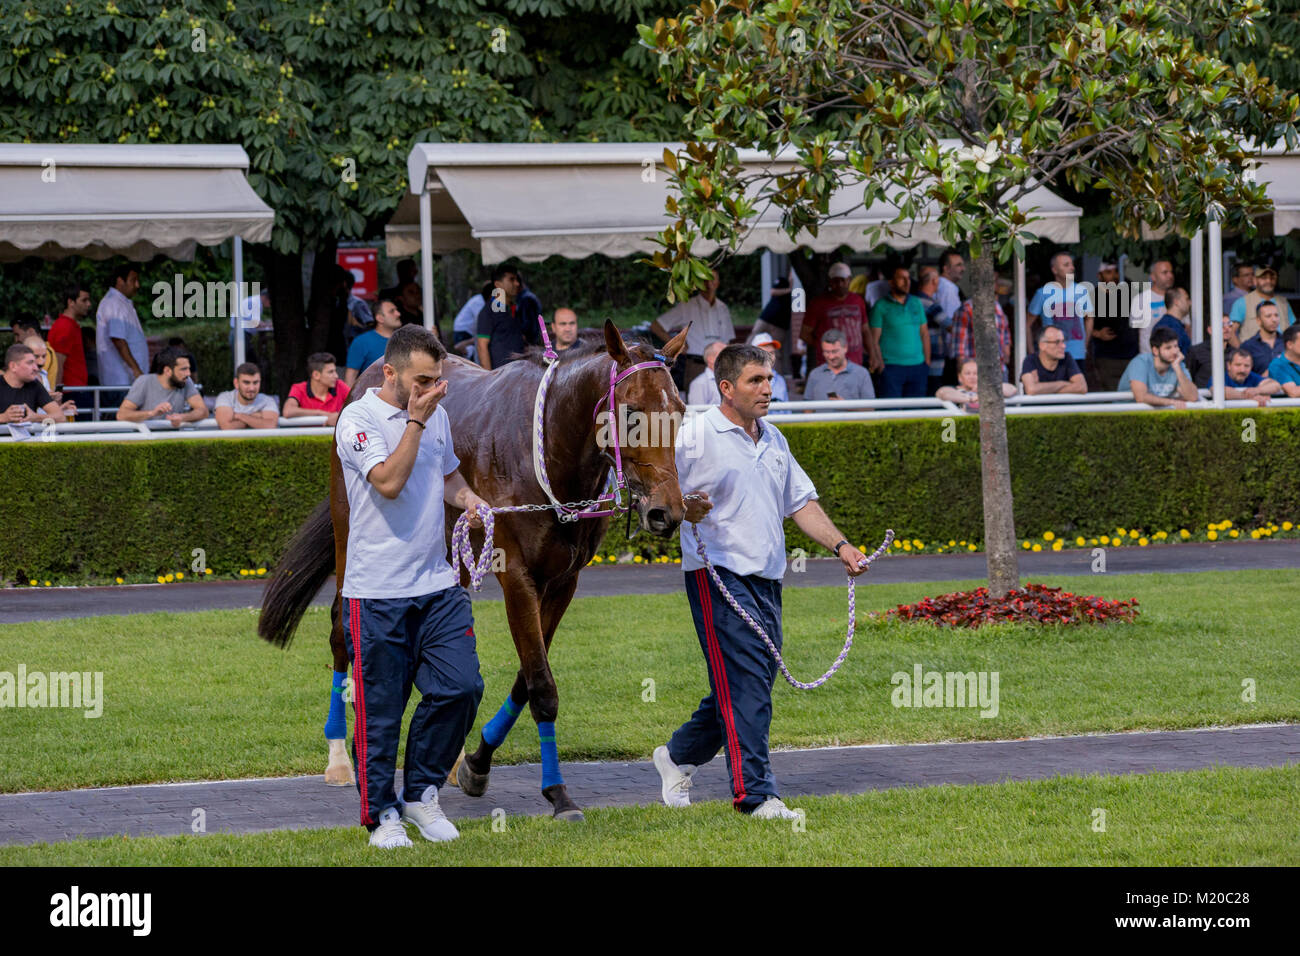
{"x":474,"y":784}
{"x":565,"y":808}
{"x":339,"y":771}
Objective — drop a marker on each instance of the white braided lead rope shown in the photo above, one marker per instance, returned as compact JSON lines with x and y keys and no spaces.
{"x":758,"y":628}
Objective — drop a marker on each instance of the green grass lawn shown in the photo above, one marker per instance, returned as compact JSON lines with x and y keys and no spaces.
{"x":199,"y":696}
{"x":1223,"y":817}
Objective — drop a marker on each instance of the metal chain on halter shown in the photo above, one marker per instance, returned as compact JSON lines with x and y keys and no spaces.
{"x":758,"y":628}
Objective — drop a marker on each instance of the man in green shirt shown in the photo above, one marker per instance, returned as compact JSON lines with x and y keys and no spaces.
{"x":899,"y":329}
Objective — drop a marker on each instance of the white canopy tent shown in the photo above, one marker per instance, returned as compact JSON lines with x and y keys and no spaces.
{"x":533,"y":200}
{"x":99,"y":201}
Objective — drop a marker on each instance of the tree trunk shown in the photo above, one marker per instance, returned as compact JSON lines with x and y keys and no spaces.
{"x":811,"y":268}
{"x":283,"y":272}
{"x":324,"y":318}
{"x":999,"y":518}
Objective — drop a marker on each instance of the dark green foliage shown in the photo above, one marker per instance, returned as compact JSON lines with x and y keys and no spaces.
{"x":141,"y":508}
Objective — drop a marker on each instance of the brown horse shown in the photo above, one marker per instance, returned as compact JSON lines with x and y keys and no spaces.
{"x":537,"y":556}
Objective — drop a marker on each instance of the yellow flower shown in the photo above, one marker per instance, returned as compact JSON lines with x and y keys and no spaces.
{"x":1254,"y":535}
{"x":1049,"y":536}
{"x":1184,"y":534}
{"x":261,"y":571}
{"x":1121,"y":532}
{"x":952,"y":544}
{"x":1057,"y":545}
{"x":1211,"y":527}
{"x":917,"y":544}
{"x":171,"y":578}
{"x":207,"y":570}
{"x":907,"y":546}
{"x":1213,"y":536}
{"x":1226,"y":524}
{"x":1025,"y":545}
{"x":896,"y":544}
{"x":161,"y":580}
{"x":1092,"y":540}
{"x":1038,"y":547}
{"x":1233,"y":533}
{"x":1133,"y":534}
{"x":1105,"y":539}
{"x":1286,"y":526}
{"x":970,"y":547}
{"x":963,"y":543}
{"x":637,"y":559}
{"x":47,"y":584}
{"x":118,"y":580}
{"x":1079,"y":542}
{"x":180,"y":575}
{"x":1142,"y":542}
{"x":32,"y":582}
{"x":243,"y":572}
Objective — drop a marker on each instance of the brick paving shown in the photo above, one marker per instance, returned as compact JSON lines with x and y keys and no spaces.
{"x":249,"y":806}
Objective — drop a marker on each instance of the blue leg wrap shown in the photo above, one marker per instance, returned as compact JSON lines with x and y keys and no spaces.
{"x":550,"y":755}
{"x":336,"y":725}
{"x":494,"y":732}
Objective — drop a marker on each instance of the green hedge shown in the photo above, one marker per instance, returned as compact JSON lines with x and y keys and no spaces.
{"x":93,"y":511}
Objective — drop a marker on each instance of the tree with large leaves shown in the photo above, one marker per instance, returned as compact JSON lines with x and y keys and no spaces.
{"x":327,"y":98}
{"x":1122,"y":95}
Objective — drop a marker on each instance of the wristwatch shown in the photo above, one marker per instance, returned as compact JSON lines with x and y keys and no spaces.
{"x":839,"y":544}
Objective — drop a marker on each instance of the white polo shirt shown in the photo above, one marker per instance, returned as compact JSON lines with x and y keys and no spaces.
{"x":753,"y":487}
{"x":396,"y":548}
{"x":708,"y":322}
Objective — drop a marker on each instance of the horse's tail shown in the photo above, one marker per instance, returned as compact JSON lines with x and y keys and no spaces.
{"x":306,"y":566}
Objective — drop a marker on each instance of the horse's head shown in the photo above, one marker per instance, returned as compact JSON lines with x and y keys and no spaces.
{"x":648,"y":413}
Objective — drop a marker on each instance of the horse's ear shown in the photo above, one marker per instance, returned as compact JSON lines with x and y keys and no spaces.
{"x":677,"y":344}
{"x":614,"y":343}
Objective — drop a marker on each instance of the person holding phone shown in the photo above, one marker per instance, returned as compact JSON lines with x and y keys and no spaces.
{"x":837,"y":377}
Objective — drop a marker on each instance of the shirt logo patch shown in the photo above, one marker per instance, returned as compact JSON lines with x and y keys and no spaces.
{"x":360,"y":442}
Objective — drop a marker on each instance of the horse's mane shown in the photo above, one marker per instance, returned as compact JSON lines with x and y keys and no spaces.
{"x":590,"y":342}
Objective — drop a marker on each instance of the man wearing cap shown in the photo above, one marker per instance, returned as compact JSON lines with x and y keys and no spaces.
{"x":774,"y":322}
{"x":709,"y":319}
{"x":844,"y":310}
{"x":1244,"y":310}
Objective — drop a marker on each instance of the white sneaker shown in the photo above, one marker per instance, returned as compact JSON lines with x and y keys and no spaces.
{"x":677,"y":780}
{"x":773,"y":809}
{"x":429,"y":818}
{"x":390,"y":833}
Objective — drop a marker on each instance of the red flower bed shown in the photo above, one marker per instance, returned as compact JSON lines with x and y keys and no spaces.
{"x":1034,"y":603}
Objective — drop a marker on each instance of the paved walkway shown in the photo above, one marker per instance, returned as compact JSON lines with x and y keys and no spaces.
{"x":44,"y":604}
{"x":249,"y":806}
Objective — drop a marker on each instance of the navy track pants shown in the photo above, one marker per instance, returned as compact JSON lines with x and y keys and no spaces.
{"x":427,"y":642}
{"x":737,"y":715}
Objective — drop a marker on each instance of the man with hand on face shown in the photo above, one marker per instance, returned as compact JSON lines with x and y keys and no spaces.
{"x":1159,"y":378}
{"x":168,"y":393}
{"x":406,"y":618}
{"x":749,"y":483}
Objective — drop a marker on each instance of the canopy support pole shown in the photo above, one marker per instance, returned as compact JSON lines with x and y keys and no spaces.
{"x":426,"y":257}
{"x":1216,"y":311}
{"x":1198,"y":287}
{"x":1021,"y":315}
{"x":239,"y":320}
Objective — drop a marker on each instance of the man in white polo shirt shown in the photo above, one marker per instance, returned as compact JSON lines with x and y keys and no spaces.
{"x":708,"y":318}
{"x":406,"y":619}
{"x":750,"y":484}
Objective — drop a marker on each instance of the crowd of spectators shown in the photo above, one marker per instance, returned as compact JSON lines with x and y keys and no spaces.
{"x":891,"y":333}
